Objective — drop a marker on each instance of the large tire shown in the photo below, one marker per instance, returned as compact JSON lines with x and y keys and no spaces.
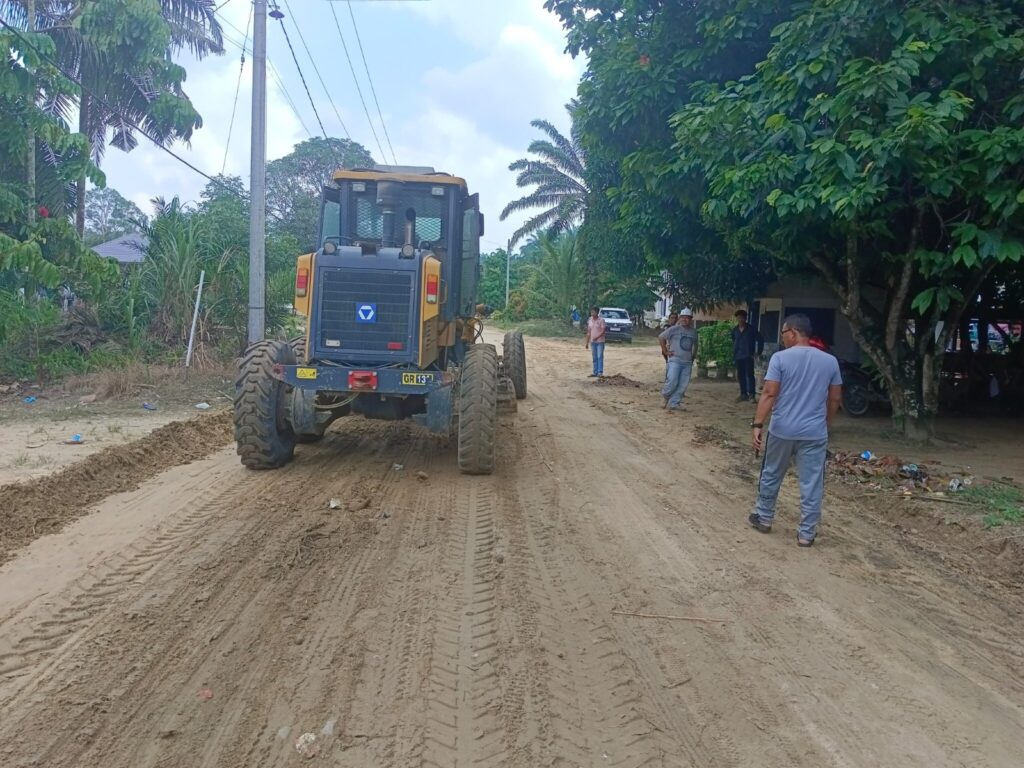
{"x":262,"y":432}
{"x":478,"y":410}
{"x":298,"y":345}
{"x":514,"y":351}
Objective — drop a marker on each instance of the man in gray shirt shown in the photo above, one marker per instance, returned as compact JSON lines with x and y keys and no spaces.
{"x":802,"y":392}
{"x":679,"y":348}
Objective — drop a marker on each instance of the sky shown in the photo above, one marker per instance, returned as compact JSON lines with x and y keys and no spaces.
{"x":458,"y":83}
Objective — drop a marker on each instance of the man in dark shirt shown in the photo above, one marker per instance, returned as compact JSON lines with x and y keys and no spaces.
{"x":746,"y":345}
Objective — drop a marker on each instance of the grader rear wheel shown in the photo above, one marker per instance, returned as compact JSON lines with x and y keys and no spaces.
{"x":263,"y":433}
{"x":478,"y":410}
{"x":514,"y":357}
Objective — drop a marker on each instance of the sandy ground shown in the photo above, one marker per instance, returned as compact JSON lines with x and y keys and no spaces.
{"x":219,"y":617}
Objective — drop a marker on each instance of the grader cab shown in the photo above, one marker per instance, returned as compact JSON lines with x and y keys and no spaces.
{"x":392,"y":330}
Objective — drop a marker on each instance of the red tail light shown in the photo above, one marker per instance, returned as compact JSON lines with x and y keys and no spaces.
{"x":395,"y":345}
{"x":301,"y":282}
{"x":362,"y":380}
{"x":431,"y":289}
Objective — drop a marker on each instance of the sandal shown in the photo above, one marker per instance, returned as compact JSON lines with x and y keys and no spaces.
{"x":804,"y":543}
{"x":757,"y":525}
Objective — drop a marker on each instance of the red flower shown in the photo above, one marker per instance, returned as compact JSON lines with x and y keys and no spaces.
{"x":644,"y":59}
{"x":44,"y":212}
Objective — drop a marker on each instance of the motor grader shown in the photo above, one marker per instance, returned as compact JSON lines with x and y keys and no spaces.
{"x":392,"y":325}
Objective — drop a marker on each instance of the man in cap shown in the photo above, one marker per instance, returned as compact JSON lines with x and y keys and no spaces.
{"x":679,"y":346}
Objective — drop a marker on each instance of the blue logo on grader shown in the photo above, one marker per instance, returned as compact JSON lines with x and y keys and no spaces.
{"x":366,"y":313}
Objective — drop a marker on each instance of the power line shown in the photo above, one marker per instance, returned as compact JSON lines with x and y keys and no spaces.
{"x":373,"y":90}
{"x":352,"y":69}
{"x":302,"y":77}
{"x":104,"y":103}
{"x":274,"y":72}
{"x":238,"y":88}
{"x":302,"y":39}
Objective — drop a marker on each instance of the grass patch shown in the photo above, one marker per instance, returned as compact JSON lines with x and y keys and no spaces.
{"x":548,"y":329}
{"x":1003,"y":504}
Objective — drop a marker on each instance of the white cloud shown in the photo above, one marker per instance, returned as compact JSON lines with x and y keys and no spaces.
{"x":503,"y":66}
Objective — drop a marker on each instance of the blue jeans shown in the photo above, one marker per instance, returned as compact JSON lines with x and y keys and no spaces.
{"x":676,"y":382}
{"x":810,"y":464}
{"x":597,"y":353}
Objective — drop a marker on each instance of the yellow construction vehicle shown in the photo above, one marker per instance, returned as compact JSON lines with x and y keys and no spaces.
{"x":389,"y":299}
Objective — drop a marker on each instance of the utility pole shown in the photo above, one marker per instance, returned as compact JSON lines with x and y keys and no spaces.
{"x":258,"y":176}
{"x":508,"y":269}
{"x":30,"y":134}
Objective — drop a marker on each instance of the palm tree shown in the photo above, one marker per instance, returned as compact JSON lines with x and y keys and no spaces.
{"x":115,"y":97}
{"x":555,"y":277}
{"x":558,"y":174}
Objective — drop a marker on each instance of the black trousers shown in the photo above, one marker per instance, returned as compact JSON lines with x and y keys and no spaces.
{"x":745,"y":375}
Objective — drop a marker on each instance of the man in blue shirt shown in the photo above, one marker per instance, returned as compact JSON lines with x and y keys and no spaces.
{"x":746,"y":345}
{"x":802,"y":392}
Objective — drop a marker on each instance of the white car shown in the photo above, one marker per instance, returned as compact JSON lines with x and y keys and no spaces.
{"x":618,"y":326}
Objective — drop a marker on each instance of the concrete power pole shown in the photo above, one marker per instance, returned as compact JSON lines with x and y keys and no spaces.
{"x":508,"y":269}
{"x":30,"y":160}
{"x":258,"y":176}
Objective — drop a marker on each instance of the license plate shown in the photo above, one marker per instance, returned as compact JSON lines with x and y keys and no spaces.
{"x":305,"y":373}
{"x":417,"y":379}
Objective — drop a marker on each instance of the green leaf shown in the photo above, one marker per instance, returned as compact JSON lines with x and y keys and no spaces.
{"x":923,"y":300}
{"x":773,"y":197}
{"x":815,"y":67}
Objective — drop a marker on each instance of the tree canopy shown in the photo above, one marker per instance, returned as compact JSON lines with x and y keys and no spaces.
{"x":877,"y":145}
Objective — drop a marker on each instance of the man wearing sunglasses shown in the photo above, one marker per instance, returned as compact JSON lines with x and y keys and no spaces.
{"x":802,"y":392}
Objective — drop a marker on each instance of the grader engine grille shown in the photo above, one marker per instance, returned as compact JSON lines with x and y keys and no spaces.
{"x":345,"y":328}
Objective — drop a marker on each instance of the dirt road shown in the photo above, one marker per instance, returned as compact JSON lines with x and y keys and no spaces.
{"x":215,"y":617}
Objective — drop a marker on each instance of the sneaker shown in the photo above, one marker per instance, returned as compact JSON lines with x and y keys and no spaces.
{"x":591,"y":375}
{"x":757,"y":525}
{"x":742,"y":399}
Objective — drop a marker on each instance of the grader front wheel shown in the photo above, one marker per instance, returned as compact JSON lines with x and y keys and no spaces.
{"x":478,"y":410}
{"x":263,"y":433}
{"x":514,"y":358}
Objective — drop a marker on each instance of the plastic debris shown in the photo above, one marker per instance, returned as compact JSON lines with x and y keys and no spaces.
{"x":205,"y":694}
{"x":149,"y":406}
{"x":867,"y":455}
{"x":956,"y":484}
{"x":30,"y":399}
{"x":398,"y":467}
{"x":421,"y":475}
{"x":75,"y":439}
{"x":203,"y":406}
{"x":334,"y":504}
{"x":306,"y":745}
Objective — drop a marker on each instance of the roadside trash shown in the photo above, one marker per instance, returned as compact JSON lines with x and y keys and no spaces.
{"x":75,"y":439}
{"x":149,"y":406}
{"x":398,"y":467}
{"x":334,"y":504}
{"x":87,"y":399}
{"x":203,"y":406}
{"x":956,"y":484}
{"x":205,"y":694}
{"x":867,"y":455}
{"x":30,"y":399}
{"x":305,"y":745}
{"x":421,"y":475}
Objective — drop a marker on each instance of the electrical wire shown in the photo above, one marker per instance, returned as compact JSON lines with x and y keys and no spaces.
{"x":302,"y":77}
{"x":104,"y":103}
{"x":273,"y":70}
{"x":369,"y":78}
{"x":238,"y":88}
{"x":359,"y":90}
{"x":302,"y":39}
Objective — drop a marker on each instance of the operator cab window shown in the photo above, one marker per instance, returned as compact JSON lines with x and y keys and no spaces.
{"x":430,"y":208}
